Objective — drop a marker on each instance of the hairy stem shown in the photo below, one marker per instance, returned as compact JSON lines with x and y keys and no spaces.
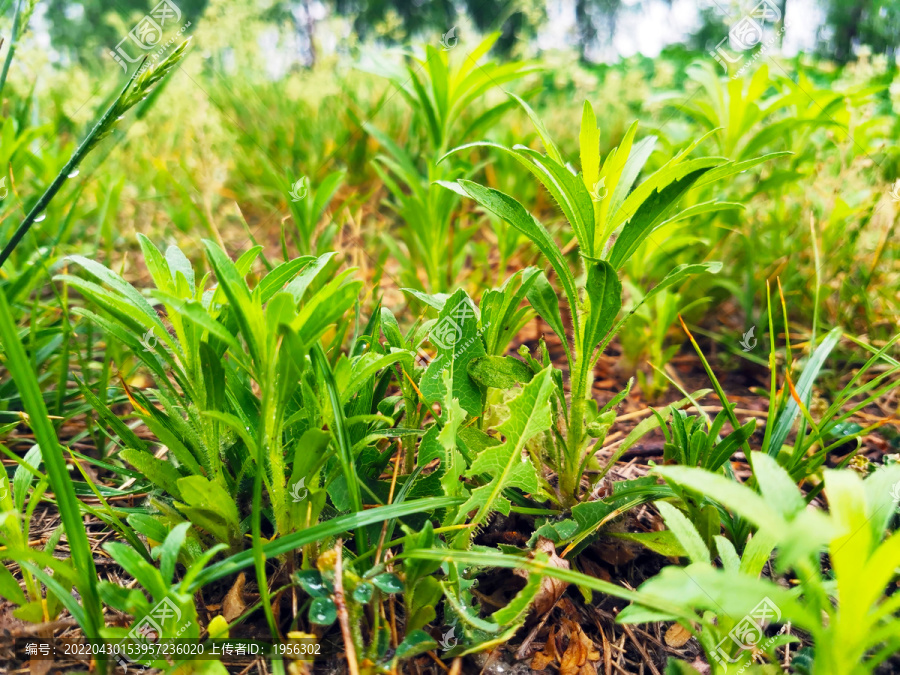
{"x":568,"y":476}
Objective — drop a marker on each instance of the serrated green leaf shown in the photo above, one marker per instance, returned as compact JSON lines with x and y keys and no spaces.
{"x":507,"y":464}
{"x":457,"y":340}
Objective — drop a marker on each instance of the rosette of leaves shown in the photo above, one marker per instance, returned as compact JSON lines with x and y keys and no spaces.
{"x":222,"y":405}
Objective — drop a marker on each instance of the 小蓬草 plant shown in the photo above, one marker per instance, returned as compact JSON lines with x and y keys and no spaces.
{"x":220,"y":433}
{"x":598,"y":203}
{"x":441,"y":96}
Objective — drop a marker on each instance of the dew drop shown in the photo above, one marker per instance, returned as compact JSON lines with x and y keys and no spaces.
{"x":41,"y":217}
{"x":74,"y":173}
{"x":120,"y":117}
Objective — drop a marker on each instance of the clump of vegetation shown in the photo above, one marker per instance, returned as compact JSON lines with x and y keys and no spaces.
{"x":650,"y":369}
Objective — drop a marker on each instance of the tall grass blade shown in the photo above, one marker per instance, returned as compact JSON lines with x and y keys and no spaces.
{"x":19,"y":366}
{"x":322,"y":531}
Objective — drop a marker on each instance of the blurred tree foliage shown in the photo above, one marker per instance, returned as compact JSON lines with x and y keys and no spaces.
{"x":401,"y":20}
{"x":81,"y":30}
{"x":851,"y":23}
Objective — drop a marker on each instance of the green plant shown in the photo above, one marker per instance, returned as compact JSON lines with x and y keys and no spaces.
{"x":596,"y":203}
{"x":688,"y":443}
{"x":82,"y":573}
{"x":170,"y":608}
{"x":440,"y":97}
{"x":215,"y":438}
{"x":340,"y":594}
{"x":860,"y":628}
{"x":307,"y":212}
{"x":21,"y":16}
{"x":814,"y":440}
{"x":139,"y":86}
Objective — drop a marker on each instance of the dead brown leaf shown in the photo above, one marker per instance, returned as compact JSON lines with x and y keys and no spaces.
{"x":677,"y":635}
{"x":543,"y":659}
{"x":579,"y":657}
{"x":551,"y":588}
{"x":233,"y":605}
{"x":581,"y":654}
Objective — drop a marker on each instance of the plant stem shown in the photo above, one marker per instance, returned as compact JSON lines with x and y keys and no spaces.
{"x":14,"y":38}
{"x":57,"y":183}
{"x":568,"y":480}
{"x":259,"y":556}
{"x":343,"y":618}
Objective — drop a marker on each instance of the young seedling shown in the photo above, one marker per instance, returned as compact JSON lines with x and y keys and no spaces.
{"x":598,"y":203}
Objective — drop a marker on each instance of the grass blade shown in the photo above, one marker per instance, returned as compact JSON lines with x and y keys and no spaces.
{"x":19,"y":366}
{"x":329,"y":528}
